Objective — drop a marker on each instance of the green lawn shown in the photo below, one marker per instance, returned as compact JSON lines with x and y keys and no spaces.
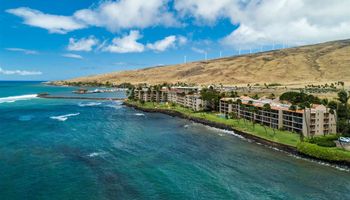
{"x":284,"y":137}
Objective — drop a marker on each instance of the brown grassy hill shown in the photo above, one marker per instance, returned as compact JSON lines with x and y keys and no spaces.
{"x":319,"y":63}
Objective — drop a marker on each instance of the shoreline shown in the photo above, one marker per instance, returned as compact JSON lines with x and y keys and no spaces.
{"x":270,"y":144}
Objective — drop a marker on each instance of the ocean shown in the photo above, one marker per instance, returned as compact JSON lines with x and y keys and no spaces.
{"x":81,"y":149}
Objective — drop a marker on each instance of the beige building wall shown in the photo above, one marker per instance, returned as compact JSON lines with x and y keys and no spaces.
{"x":314,"y":121}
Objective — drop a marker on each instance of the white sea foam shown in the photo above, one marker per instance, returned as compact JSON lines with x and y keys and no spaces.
{"x":63,"y":118}
{"x":116,"y":106}
{"x":94,"y":154}
{"x":226,"y":132}
{"x":139,"y":114}
{"x":89,"y":104}
{"x":341,"y":168}
{"x":12,"y":99}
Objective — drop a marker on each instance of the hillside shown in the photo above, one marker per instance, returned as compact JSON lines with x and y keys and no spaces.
{"x":319,"y":63}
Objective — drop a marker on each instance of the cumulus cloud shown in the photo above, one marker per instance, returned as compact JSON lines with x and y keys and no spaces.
{"x":71,"y":55}
{"x":112,"y":15}
{"x":201,"y":51}
{"x":171,"y":41}
{"x":125,"y":14}
{"x":164,"y":44}
{"x":19,"y":72}
{"x":182,"y":40}
{"x":52,"y":23}
{"x":280,"y":21}
{"x":25,"y":51}
{"x":126,"y":44}
{"x":83,"y":44}
{"x":204,"y":11}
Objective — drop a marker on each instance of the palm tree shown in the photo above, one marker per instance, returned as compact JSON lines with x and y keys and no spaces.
{"x":344,"y":97}
{"x":253,"y":111}
{"x":267,"y":108}
{"x":239,"y":106}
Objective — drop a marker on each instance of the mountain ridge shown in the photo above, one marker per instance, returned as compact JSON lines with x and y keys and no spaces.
{"x":325,"y":62}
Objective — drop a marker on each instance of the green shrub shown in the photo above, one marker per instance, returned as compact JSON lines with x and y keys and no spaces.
{"x":325,"y":153}
{"x":324,"y":141}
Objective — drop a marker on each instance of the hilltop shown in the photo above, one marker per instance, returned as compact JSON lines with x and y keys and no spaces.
{"x":320,"y":63}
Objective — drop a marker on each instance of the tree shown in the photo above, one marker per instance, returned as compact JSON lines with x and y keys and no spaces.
{"x":131,"y":94}
{"x":233,"y":94}
{"x":293,"y":107}
{"x":253,"y":111}
{"x":212,"y":96}
{"x":343,"y":111}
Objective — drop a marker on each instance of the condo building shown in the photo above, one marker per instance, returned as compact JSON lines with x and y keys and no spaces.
{"x":188,"y":97}
{"x":313,"y":121}
{"x":148,"y":95}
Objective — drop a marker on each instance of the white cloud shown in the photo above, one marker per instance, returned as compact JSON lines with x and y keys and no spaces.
{"x":279,"y":21}
{"x":19,"y":72}
{"x":126,"y":44}
{"x":260,"y":21}
{"x":204,"y":11}
{"x":25,"y":51}
{"x":171,"y":41}
{"x":83,"y":44}
{"x":201,"y":51}
{"x":182,"y":40}
{"x":112,"y":15}
{"x":126,"y":14}
{"x":71,"y":55}
{"x":164,"y":44}
{"x":52,"y":23}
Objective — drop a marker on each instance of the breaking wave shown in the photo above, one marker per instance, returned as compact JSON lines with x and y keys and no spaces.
{"x":12,"y":99}
{"x":63,"y":118}
{"x":94,"y":154}
{"x":89,"y":104}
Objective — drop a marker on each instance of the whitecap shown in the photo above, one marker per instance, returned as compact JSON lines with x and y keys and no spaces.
{"x":94,"y":154}
{"x":63,"y":118}
{"x":114,"y":106}
{"x":12,"y":99}
{"x":139,"y":114}
{"x":88,"y":104}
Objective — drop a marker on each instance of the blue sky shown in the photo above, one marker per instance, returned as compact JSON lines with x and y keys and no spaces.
{"x":51,"y":40}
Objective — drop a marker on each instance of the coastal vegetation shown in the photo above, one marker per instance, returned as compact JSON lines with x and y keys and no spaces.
{"x":280,"y":136}
{"x":321,"y":147}
{"x":324,"y":153}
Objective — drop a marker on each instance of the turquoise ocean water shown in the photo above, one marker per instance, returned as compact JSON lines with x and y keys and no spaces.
{"x":73,"y":149}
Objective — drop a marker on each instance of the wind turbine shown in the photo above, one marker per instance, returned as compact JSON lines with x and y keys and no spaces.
{"x":185,"y":59}
{"x":205,"y":56}
{"x":220,"y":54}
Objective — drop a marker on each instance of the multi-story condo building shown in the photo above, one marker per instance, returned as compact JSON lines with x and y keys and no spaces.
{"x":310,"y":121}
{"x":147,"y":95}
{"x":185,"y":96}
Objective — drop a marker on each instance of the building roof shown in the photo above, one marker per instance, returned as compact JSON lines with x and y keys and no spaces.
{"x":261,"y":102}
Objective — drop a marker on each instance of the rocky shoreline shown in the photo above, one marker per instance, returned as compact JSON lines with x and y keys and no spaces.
{"x":286,"y":148}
